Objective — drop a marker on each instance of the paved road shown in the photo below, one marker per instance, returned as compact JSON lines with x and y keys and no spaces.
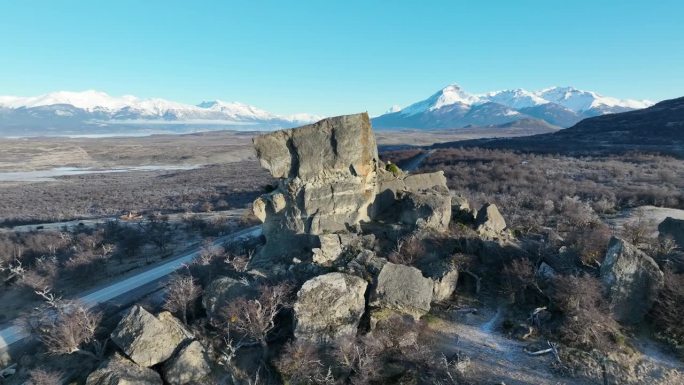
{"x":416,"y":162}
{"x":13,"y":334}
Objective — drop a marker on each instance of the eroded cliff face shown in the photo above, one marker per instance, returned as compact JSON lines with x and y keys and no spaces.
{"x":327,"y":181}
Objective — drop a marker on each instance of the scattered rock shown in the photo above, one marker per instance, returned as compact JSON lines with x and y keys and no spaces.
{"x":220,"y":292}
{"x":403,"y":289}
{"x":546,"y":272}
{"x":673,"y":228}
{"x":118,"y":370}
{"x":329,"y":306}
{"x":489,"y":222}
{"x":146,"y":339}
{"x":633,"y":280}
{"x":190,"y":365}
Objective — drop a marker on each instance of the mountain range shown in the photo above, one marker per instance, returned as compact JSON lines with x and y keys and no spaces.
{"x":452,"y":107}
{"x":659,"y":128}
{"x":93,"y":113}
{"x":97,"y":113}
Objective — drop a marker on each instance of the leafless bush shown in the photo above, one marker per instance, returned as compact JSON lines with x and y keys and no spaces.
{"x":590,"y":242}
{"x":408,"y":250}
{"x":518,"y":276}
{"x":639,"y":230}
{"x":256,"y":318}
{"x":586,"y":322}
{"x":303,"y":362}
{"x":45,"y":377}
{"x":668,"y":309}
{"x":65,"y":327}
{"x":181,"y":294}
{"x":361,"y":358}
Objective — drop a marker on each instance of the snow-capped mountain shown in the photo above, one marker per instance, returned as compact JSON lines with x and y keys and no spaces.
{"x":452,"y":107}
{"x":93,"y":112}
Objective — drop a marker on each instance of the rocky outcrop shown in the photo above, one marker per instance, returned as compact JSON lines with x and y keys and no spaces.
{"x":327,"y":181}
{"x":402,"y":289}
{"x":489,"y":222}
{"x":220,"y":292}
{"x":190,"y":365}
{"x":633,"y":280}
{"x":119,"y":370}
{"x":673,"y":228}
{"x":146,"y":339}
{"x":329,"y":306}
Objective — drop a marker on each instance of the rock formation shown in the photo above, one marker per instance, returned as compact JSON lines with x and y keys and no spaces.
{"x":146,"y":339}
{"x":633,"y":280}
{"x":330,"y":182}
{"x":329,"y":306}
{"x":221,"y":291}
{"x":327,"y":181}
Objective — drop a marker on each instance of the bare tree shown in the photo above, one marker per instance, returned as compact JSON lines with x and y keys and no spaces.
{"x":181,"y":294}
{"x":66,"y":327}
{"x":255,"y":318}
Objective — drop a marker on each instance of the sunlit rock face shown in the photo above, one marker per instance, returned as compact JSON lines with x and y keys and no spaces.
{"x":327,"y":181}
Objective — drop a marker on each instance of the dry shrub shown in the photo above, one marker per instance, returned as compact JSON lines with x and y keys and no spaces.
{"x":65,"y":327}
{"x":518,"y":275}
{"x":586,"y":322}
{"x":361,"y":358}
{"x":304,"y":362}
{"x":408,"y":250}
{"x":669,"y":308}
{"x":591,"y":242}
{"x":45,"y":377}
{"x":181,"y":294}
{"x":254,"y":319}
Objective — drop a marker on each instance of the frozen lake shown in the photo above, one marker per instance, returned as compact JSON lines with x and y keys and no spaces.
{"x":51,"y":174}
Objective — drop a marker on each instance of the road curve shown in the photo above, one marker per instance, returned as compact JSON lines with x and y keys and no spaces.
{"x":13,"y":334}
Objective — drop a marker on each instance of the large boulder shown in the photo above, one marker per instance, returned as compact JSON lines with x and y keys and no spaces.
{"x":327,"y":173}
{"x":673,"y":228}
{"x":146,"y":339}
{"x":633,"y":280}
{"x":444,"y":276}
{"x":489,"y":222}
{"x":417,"y":200}
{"x":426,"y":208}
{"x":220,"y":292}
{"x":402,"y":289}
{"x":119,"y":370}
{"x":329,"y":306}
{"x":190,"y":365}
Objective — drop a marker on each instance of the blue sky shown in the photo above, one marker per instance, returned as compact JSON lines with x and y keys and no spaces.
{"x":335,"y":57}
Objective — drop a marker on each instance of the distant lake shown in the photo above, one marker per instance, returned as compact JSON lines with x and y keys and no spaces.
{"x":51,"y":174}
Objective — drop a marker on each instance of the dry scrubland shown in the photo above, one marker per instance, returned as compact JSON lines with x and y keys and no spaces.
{"x":556,"y":206}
